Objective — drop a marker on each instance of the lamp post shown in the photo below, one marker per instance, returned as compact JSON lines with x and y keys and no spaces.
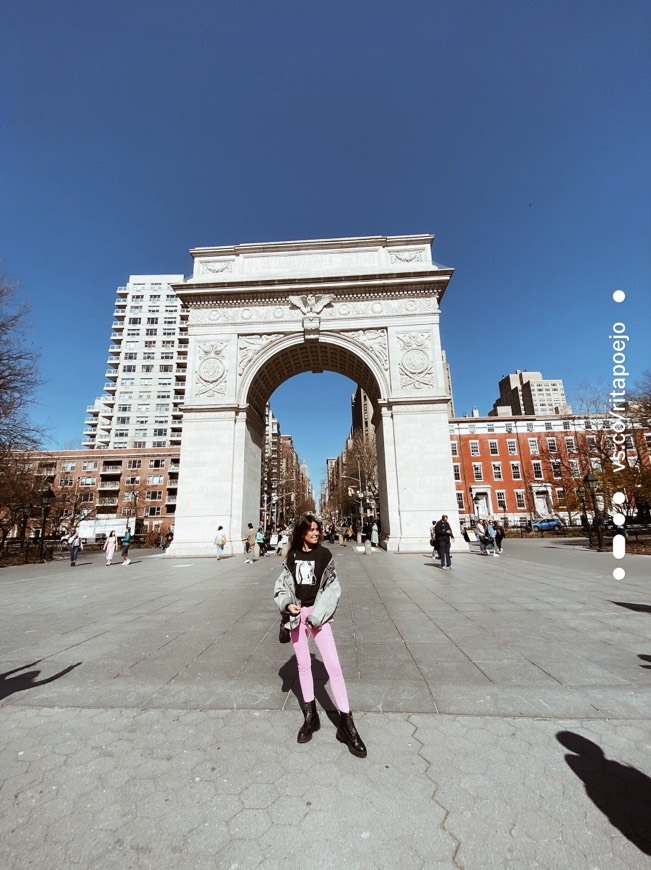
{"x":580,"y":491}
{"x":591,"y":483}
{"x":47,"y":500}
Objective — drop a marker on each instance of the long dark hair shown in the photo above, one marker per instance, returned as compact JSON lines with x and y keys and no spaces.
{"x":300,"y":529}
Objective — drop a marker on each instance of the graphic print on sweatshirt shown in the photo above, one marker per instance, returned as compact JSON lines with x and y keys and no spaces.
{"x":305,"y":575}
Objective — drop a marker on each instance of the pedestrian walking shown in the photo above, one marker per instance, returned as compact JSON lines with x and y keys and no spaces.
{"x":443,"y":536}
{"x":76,"y":546}
{"x":491,"y":537}
{"x":126,"y":543}
{"x":432,"y":540}
{"x":307,"y":593}
{"x":499,"y":535}
{"x":110,"y":545}
{"x":480,"y":531}
{"x":249,"y":543}
{"x":220,"y":542}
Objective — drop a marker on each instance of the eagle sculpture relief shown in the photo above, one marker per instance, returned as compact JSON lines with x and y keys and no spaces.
{"x":311,"y":304}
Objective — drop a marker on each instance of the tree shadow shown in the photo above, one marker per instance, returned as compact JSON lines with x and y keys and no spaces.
{"x":639,"y":608}
{"x":646,"y":667}
{"x":622,"y":793}
{"x":289,"y":675}
{"x":9,"y":684}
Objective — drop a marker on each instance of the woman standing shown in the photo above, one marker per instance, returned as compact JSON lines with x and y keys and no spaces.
{"x":375,"y":535}
{"x":110,"y":545}
{"x":307,"y":592}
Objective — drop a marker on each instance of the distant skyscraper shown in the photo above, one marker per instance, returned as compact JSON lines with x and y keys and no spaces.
{"x":145,"y":381}
{"x":527,"y":393}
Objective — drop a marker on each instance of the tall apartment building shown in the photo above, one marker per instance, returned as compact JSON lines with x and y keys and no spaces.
{"x":529,"y":394}
{"x":147,"y":360}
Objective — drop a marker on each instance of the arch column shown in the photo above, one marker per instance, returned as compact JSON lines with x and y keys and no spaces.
{"x":221,"y":460}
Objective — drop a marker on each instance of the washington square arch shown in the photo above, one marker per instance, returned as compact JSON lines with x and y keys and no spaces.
{"x":258,"y":314}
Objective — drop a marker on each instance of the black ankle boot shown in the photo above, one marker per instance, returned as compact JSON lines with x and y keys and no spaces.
{"x":311,"y":723}
{"x":347,"y":733}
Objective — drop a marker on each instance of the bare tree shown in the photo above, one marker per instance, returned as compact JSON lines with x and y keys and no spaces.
{"x":19,"y":376}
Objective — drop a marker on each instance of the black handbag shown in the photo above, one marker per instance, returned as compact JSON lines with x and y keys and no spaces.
{"x":284,"y":635}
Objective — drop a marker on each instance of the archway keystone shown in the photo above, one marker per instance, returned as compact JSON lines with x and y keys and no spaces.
{"x":367,"y":308}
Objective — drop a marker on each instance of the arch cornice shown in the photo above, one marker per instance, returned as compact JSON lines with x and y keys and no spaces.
{"x":210,"y":293}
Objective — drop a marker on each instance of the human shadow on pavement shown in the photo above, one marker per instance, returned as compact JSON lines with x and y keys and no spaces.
{"x":646,"y":667}
{"x":639,"y":608}
{"x":9,"y":684}
{"x":289,"y":675}
{"x":621,"y":792}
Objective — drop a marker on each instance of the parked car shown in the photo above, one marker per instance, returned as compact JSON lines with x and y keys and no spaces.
{"x":547,"y":525}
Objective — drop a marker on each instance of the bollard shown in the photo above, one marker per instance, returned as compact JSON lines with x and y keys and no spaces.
{"x":256,"y":551}
{"x":367,"y":547}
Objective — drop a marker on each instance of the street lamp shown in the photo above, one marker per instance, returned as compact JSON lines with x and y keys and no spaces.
{"x":591,"y":482}
{"x":47,"y":500}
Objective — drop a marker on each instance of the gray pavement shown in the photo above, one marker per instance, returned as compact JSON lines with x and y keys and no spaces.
{"x":149,"y":715}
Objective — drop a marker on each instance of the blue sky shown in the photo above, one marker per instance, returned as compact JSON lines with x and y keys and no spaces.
{"x":517,"y":132}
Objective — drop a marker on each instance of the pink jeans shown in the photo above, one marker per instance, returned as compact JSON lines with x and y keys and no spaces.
{"x":325,"y":642}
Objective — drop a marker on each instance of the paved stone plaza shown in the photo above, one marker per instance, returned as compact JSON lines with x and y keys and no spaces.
{"x":149,"y":715}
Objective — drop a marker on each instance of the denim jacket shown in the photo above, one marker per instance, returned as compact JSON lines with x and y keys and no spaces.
{"x":325,"y":603}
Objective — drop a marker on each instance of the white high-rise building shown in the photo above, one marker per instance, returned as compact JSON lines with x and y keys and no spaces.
{"x":528,"y":393}
{"x":145,"y":379}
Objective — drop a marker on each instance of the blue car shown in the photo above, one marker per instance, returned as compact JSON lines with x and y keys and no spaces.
{"x":547,"y":525}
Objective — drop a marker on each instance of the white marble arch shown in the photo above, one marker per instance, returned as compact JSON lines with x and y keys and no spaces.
{"x":377,"y":323}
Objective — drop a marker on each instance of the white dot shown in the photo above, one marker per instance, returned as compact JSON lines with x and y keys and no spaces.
{"x":619,"y":497}
{"x":619,"y":295}
{"x":619,"y":573}
{"x":619,"y":519}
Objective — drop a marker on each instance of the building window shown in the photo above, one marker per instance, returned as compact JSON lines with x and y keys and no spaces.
{"x":556,"y":469}
{"x":566,"y":424}
{"x":128,"y":368}
{"x":65,"y":481}
{"x":497,"y":470}
{"x":87,"y":481}
{"x":511,"y":447}
{"x":490,"y":427}
{"x":515,"y":471}
{"x":457,"y":471}
{"x":127,"y":512}
{"x":569,"y":444}
{"x":151,"y":332}
{"x":560,"y":494}
{"x":493,"y":448}
{"x":152,"y":511}
{"x":134,"y":321}
{"x":548,"y":427}
{"x":166,"y":368}
{"x":509,"y":427}
{"x":131,"y":355}
{"x":134,"y":463}
{"x":68,"y":466}
{"x":454,"y":447}
{"x":155,"y":479}
{"x":477,"y":471}
{"x":501,"y":499}
{"x":152,"y":321}
{"x":519,"y":499}
{"x":86,"y":497}
{"x":89,"y":466}
{"x":574,"y":467}
{"x":537,"y":470}
{"x":157,"y":463}
{"x":160,"y":433}
{"x":474,"y":448}
{"x":529,"y":427}
{"x":551,"y":445}
{"x":154,"y":495}
{"x":132,"y":480}
{"x":471,"y":428}
{"x":533,"y":446}
{"x":460,"y":504}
